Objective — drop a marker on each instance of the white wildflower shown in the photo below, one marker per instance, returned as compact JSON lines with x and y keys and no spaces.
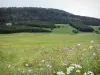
{"x":9,"y":66}
{"x":92,"y":41}
{"x":68,"y":72}
{"x":78,"y":71}
{"x":69,"y":69}
{"x":26,"y":65}
{"x":85,"y":73}
{"x":90,"y":73}
{"x":60,"y":73}
{"x":76,"y":66}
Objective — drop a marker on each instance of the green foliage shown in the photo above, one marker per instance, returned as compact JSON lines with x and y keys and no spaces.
{"x":99,"y":28}
{"x":81,"y":27}
{"x":16,"y":29}
{"x":75,"y":31}
{"x":96,"y":29}
{"x":27,"y":26}
{"x":43,"y":14}
{"x":41,"y":24}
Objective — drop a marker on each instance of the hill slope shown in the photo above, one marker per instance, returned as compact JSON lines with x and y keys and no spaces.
{"x":64,"y":29}
{"x":43,"y":14}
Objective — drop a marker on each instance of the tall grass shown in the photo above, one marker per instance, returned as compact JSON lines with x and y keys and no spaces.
{"x":51,"y":60}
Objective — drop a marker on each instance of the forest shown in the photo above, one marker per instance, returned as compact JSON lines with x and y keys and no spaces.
{"x":31,"y":18}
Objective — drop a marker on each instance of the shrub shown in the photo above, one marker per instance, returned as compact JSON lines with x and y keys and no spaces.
{"x":97,"y":32}
{"x":81,"y":27}
{"x":75,"y":31}
{"x":99,"y":28}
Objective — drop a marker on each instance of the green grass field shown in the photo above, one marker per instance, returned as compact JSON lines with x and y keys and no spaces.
{"x":95,"y":27}
{"x":67,"y":29}
{"x":22,"y":53}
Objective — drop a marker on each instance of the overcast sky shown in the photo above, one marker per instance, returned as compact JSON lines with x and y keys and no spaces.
{"x":80,"y":7}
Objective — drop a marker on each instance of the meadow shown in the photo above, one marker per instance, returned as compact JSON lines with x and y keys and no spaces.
{"x":57,"y":53}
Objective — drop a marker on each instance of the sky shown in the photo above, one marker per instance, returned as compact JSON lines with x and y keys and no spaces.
{"x":79,"y":7}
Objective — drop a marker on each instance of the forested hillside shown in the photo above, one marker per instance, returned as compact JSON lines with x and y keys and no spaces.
{"x":43,"y":14}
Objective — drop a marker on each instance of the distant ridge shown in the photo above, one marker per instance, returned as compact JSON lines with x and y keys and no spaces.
{"x":43,"y":14}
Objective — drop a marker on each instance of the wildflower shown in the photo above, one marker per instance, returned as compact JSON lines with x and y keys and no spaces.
{"x":73,"y":49}
{"x":65,"y":62}
{"x":41,"y":69}
{"x":76,"y":66}
{"x":94,"y":54}
{"x":92,"y":41}
{"x":69,"y":69}
{"x":26,"y":65}
{"x":60,"y":73}
{"x":78,"y":44}
{"x":9,"y":66}
{"x":90,"y":47}
{"x":43,"y":61}
{"x":78,"y":71}
{"x":30,"y":70}
{"x":81,"y":58}
{"x":65,"y":48}
{"x":49,"y":66}
{"x":90,"y":73}
{"x":85,"y":73}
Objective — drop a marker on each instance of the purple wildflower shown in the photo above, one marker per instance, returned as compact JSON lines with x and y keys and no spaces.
{"x":41,"y":69}
{"x":43,"y":61}
{"x":65,"y":48}
{"x":81,"y":58}
{"x":78,"y":44}
{"x":49,"y":66}
{"x":94,"y":54}
{"x":65,"y":62}
{"x":30,"y":70}
{"x":73,"y":49}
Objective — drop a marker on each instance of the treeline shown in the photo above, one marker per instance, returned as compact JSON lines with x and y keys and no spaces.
{"x":26,"y":26}
{"x":43,"y":14}
{"x":81,"y":27}
{"x":16,"y":29}
{"x":40,"y":24}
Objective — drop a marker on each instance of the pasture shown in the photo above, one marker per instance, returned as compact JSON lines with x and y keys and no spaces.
{"x":49,"y":54}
